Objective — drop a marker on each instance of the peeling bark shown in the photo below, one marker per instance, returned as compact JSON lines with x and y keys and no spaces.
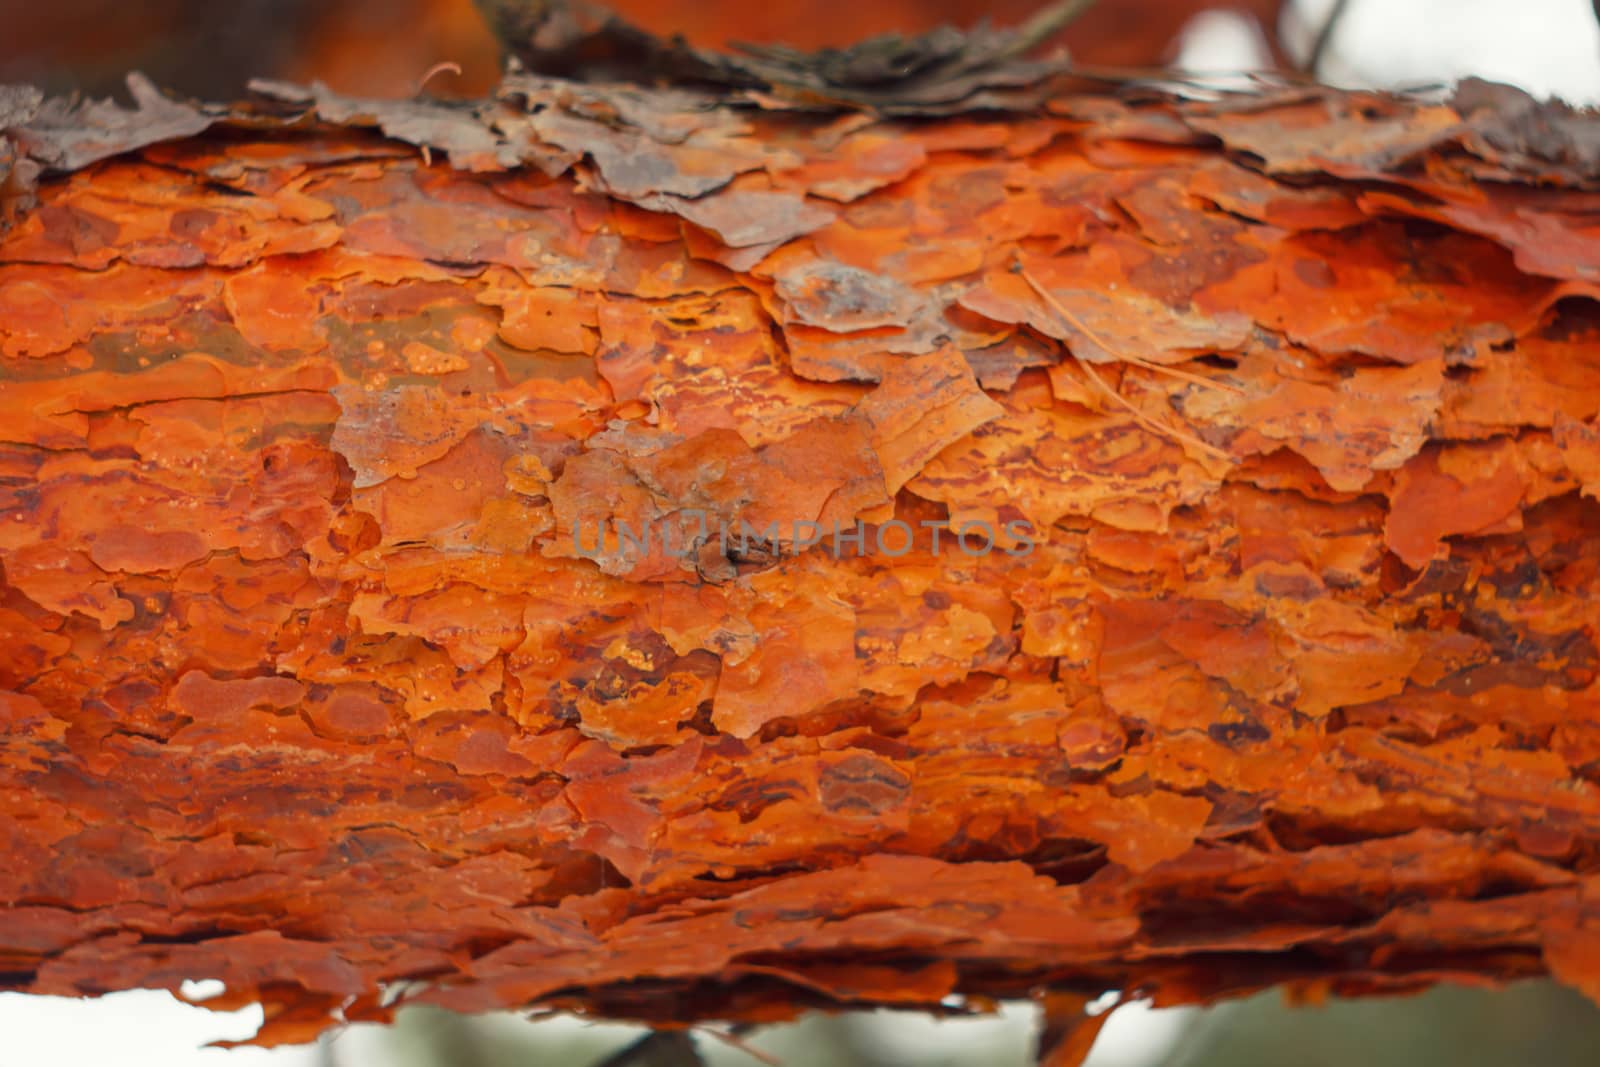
{"x":1281,"y":415}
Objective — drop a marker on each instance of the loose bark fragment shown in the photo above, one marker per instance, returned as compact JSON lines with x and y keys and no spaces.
{"x":309,"y":685}
{"x":927,"y":72}
{"x":1068,"y":1032}
{"x":64,"y":137}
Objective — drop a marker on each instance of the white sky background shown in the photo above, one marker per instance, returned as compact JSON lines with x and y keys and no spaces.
{"x":1549,"y":47}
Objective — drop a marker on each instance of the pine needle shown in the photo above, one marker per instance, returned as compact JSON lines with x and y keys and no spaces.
{"x":1153,"y":425}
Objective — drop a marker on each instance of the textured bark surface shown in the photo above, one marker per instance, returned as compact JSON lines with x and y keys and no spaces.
{"x":1285,"y":671}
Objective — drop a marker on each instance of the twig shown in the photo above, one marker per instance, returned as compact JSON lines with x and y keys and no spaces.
{"x":1324,"y":38}
{"x":659,"y":1048}
{"x":730,"y":1038}
{"x":1042,"y":25}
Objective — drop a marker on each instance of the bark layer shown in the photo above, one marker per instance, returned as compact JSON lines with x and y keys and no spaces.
{"x":1280,"y":663}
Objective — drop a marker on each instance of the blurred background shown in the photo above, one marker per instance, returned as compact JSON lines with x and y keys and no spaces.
{"x":382,"y":48}
{"x":1528,"y":1024}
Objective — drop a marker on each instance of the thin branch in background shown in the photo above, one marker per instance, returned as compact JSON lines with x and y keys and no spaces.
{"x":327,"y":1054}
{"x":731,"y":1038}
{"x":457,"y":1040}
{"x":660,"y":1048}
{"x":1324,"y":38}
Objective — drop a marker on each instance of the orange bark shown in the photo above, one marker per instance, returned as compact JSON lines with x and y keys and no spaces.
{"x":1282,"y":418}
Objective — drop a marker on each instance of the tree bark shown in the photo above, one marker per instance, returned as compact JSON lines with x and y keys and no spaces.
{"x":1269,"y":653}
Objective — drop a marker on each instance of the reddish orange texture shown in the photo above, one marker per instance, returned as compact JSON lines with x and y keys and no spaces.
{"x":1285,"y":667}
